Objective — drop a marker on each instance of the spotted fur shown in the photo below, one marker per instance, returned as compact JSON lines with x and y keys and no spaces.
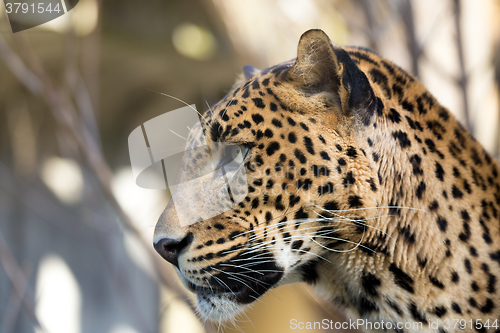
{"x":359,"y":183}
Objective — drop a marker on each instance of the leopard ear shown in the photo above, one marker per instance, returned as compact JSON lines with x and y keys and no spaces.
{"x":249,"y":71}
{"x":322,"y":66}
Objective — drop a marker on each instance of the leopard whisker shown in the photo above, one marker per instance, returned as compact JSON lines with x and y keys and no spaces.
{"x":347,"y":241}
{"x":178,"y":99}
{"x":237,"y":266}
{"x":339,"y":219}
{"x":231,"y":275}
{"x":209,"y":108}
{"x":358,"y":221}
{"x":240,"y":280}
{"x":204,"y":321}
{"x":248,"y":277}
{"x":252,"y":258}
{"x":330,"y":211}
{"x":217,"y":279}
{"x":317,"y":255}
{"x":267,"y":226}
{"x":377,"y":207}
{"x":279,"y":224}
{"x":180,"y":136}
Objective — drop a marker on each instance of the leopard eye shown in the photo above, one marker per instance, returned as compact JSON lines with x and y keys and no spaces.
{"x":236,"y":153}
{"x":233,"y":155}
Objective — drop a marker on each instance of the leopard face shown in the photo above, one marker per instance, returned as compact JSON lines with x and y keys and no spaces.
{"x":351,"y":167}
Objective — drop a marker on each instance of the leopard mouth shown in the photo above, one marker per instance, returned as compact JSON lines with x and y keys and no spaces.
{"x":239,"y":292}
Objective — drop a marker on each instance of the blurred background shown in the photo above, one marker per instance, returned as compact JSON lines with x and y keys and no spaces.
{"x":76,"y":250}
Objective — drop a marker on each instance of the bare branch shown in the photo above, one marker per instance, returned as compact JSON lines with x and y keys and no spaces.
{"x":496,"y":66}
{"x":15,"y":307}
{"x":367,"y":7}
{"x":18,"y":280}
{"x":415,"y":51}
{"x":463,"y":79}
{"x":19,"y":69}
{"x":65,"y":114}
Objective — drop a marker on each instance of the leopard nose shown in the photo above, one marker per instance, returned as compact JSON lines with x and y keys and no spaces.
{"x":170,"y":249}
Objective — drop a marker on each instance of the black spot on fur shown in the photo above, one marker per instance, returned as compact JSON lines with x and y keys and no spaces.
{"x":354,"y":201}
{"x":297,"y":244}
{"x":433,"y":206}
{"x":416,"y":313}
{"x":420,"y":189}
{"x":300,"y":214}
{"x":422,"y":262}
{"x":436,"y":282}
{"x":468,"y":266}
{"x":415,"y":161}
{"x":402,"y":138}
{"x":456,"y":308}
{"x":475,"y":157}
{"x":394,"y":306}
{"x":309,"y":145}
{"x":309,"y":273}
{"x":486,"y":308}
{"x":255,"y":203}
{"x":287,"y":237}
{"x":465,"y":234}
{"x":439,"y":172}
{"x":349,"y":179}
{"x":381,"y":79}
{"x":366,"y":305}
{"x":351,"y":152}
{"x":442,"y":223}
{"x":268,"y":217}
{"x":402,"y":279}
{"x":259,"y":103}
{"x":457,"y":194}
{"x":408,"y":106}
{"x":277,"y":123}
{"x":304,"y":184}
{"x":331,"y":206}
{"x":320,"y":170}
{"x":394,"y":116}
{"x":257,"y":118}
{"x":414,"y":125}
{"x":440,"y":311}
{"x":272,"y":148}
{"x":300,"y":156}
{"x":324,"y":155}
{"x":373,"y":187}
{"x":370,"y":283}
{"x":325,"y":189}
{"x":215,"y":131}
{"x":432,"y":147}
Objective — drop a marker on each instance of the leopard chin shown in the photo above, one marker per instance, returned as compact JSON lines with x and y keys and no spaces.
{"x":225,"y":301}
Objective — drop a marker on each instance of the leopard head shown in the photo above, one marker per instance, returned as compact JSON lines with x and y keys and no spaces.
{"x":307,"y":180}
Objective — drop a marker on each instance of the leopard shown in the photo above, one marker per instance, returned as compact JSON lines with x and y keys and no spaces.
{"x":359,"y":183}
